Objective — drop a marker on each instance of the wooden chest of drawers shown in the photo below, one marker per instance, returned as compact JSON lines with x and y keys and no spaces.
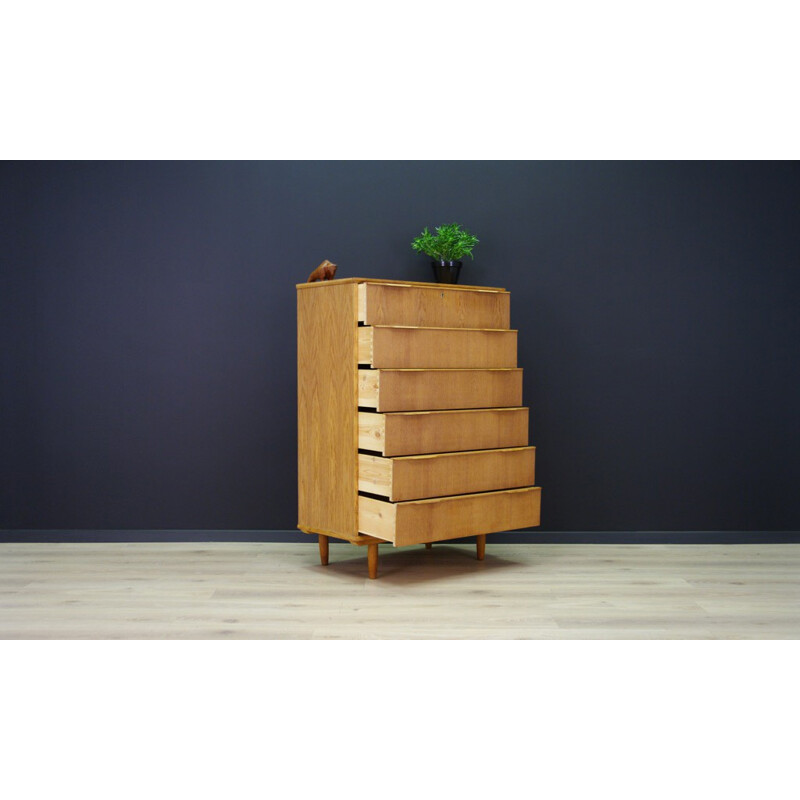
{"x":411,"y":427}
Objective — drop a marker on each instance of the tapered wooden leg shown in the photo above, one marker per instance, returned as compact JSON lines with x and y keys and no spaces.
{"x":428,"y":545}
{"x":372,"y":559}
{"x":480,"y":541}
{"x":323,"y":549}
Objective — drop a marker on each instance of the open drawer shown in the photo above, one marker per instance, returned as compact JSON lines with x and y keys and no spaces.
{"x":411,"y":432}
{"x":436,"y":348}
{"x":442,"y":474}
{"x":419,"y":521}
{"x":433,"y":307}
{"x":431,"y":389}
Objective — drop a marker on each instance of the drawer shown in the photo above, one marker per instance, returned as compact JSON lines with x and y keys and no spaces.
{"x":442,"y":474}
{"x":433,"y":389}
{"x":417,"y":521}
{"x":410,"y":433}
{"x":431,"y":307}
{"x":436,"y":348}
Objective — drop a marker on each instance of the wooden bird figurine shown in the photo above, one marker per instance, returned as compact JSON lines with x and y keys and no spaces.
{"x":324,"y":272}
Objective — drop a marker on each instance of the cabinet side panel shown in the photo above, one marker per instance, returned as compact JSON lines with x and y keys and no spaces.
{"x":327,"y":430}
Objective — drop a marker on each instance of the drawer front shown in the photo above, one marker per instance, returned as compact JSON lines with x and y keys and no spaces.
{"x":430,"y":390}
{"x":387,"y":304}
{"x":419,"y":521}
{"x":444,"y":474}
{"x":412,"y":433}
{"x":437,"y":348}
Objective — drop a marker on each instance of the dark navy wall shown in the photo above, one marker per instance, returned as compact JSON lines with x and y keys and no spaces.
{"x":148,"y":332}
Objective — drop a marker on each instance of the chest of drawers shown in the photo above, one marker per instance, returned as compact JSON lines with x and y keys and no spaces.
{"x":411,"y":428}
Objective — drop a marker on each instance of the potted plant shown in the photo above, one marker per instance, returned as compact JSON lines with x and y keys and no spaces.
{"x":446,"y":247}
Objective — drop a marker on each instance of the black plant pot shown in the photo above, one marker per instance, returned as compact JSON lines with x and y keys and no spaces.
{"x":446,"y":271}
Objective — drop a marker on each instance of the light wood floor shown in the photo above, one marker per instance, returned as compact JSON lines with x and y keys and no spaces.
{"x":280,"y":591}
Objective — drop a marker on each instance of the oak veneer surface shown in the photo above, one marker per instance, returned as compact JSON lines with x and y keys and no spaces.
{"x":230,"y":590}
{"x":327,"y":433}
{"x":437,"y":348}
{"x":410,"y":433}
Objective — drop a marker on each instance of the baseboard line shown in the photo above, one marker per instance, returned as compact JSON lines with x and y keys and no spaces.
{"x":510,"y":537}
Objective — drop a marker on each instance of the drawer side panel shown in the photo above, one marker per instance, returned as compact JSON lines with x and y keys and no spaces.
{"x":375,"y":474}
{"x":372,"y":431}
{"x":377,"y":518}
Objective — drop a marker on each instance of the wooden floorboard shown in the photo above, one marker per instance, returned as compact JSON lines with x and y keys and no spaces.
{"x":280,"y":591}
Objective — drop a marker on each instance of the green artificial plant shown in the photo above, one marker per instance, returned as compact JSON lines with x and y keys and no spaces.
{"x":449,"y":243}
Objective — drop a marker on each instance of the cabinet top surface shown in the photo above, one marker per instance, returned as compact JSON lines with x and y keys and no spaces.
{"x":448,"y":286}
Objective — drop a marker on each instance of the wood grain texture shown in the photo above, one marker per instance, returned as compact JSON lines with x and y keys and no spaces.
{"x":326,"y":415}
{"x":364,"y":334}
{"x":417,"y":390}
{"x":273,"y":591}
{"x":437,"y":348}
{"x":372,"y":431}
{"x":377,"y":518}
{"x":368,"y":387}
{"x":417,"y":432}
{"x":418,"y":477}
{"x":433,"y":306}
{"x":419,"y":521}
{"x":375,"y":474}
